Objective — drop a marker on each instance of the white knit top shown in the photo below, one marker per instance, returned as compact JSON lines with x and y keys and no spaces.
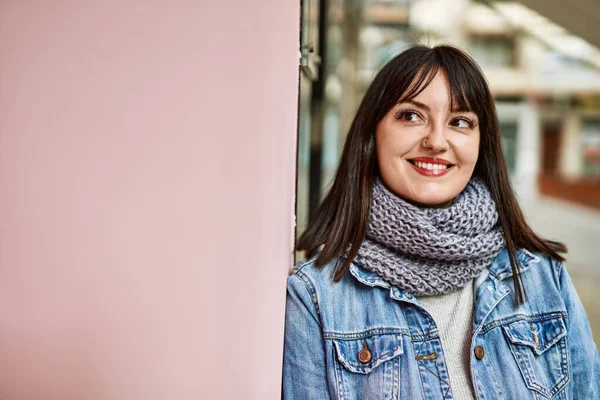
{"x":453,"y":315}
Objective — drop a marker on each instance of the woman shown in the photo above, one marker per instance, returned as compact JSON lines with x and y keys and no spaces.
{"x":427,"y":283}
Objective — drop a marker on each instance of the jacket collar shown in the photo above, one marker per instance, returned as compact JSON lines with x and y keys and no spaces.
{"x":499,"y":267}
{"x":367,"y":277}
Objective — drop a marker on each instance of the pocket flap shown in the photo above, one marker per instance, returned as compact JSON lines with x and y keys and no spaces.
{"x":382,"y":348}
{"x":539,"y":335}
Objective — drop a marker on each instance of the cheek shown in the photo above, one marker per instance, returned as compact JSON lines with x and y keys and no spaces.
{"x":390,"y":152}
{"x":386,"y":144}
{"x":468,"y":150}
{"x":393,"y":142}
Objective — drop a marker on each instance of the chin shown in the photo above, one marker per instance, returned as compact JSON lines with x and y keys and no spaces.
{"x":438,"y":193}
{"x":434,"y":194}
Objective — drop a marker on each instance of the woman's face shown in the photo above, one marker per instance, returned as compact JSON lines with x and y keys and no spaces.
{"x":427,"y":152}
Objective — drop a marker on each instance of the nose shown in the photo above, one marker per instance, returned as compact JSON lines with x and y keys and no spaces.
{"x":436,"y":139}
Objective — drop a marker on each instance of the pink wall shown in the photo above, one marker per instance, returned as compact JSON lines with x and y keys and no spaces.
{"x":146,"y":191}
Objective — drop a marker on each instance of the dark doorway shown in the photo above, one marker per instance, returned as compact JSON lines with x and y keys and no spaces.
{"x":550,"y":149}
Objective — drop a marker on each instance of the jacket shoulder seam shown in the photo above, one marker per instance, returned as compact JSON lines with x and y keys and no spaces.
{"x":558,"y":267}
{"x":310,"y":288}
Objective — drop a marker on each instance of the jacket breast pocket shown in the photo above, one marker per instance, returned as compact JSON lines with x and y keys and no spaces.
{"x":369,"y":367}
{"x":541,"y":352}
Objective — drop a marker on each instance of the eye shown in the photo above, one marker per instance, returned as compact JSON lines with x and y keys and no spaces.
{"x":408,"y":116}
{"x":462,"y":123}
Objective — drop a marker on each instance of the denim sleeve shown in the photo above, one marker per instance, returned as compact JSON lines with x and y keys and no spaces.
{"x":585,"y":361}
{"x":304,"y":372}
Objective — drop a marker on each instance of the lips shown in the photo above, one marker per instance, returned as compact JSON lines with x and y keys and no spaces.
{"x":431,"y":166}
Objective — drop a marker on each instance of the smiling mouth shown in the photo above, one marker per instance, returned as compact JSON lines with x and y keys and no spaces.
{"x":431,"y":167}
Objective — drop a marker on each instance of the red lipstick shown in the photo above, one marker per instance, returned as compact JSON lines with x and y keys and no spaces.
{"x":432,"y":160}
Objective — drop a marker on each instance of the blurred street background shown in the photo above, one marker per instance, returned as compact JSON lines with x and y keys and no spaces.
{"x":579,"y":228}
{"x":542,"y":61}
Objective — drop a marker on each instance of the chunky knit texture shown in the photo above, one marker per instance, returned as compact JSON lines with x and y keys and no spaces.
{"x":431,"y":251}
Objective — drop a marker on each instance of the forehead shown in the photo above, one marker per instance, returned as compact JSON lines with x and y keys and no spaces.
{"x":433,"y":84}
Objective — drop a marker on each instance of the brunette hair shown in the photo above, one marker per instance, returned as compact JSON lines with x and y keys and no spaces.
{"x":341,"y":220}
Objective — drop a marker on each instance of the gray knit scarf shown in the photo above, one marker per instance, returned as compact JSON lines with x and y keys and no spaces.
{"x":428,"y":251}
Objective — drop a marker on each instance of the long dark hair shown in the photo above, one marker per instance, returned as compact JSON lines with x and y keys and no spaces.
{"x":341,"y":220}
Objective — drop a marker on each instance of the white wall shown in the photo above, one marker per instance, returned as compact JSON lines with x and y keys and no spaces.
{"x":528,"y":155}
{"x":147,"y":156}
{"x":571,"y":160}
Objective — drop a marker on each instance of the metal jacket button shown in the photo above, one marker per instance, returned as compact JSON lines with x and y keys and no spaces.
{"x":364,"y":355}
{"x":479,"y":352}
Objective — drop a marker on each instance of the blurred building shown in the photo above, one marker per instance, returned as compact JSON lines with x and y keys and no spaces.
{"x":546,"y":82}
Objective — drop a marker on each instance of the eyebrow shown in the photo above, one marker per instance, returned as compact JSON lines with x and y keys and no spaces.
{"x":418,"y":104}
{"x":462,"y":109}
{"x":426,"y":107}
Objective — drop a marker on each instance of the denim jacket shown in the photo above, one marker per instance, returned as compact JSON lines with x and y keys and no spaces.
{"x":540,"y":350}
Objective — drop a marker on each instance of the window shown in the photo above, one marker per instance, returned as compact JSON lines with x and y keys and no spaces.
{"x":493,"y":51}
{"x":590,"y":143}
{"x":508,"y":131}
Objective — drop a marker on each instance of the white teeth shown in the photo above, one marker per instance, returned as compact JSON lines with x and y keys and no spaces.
{"x":429,"y":166}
